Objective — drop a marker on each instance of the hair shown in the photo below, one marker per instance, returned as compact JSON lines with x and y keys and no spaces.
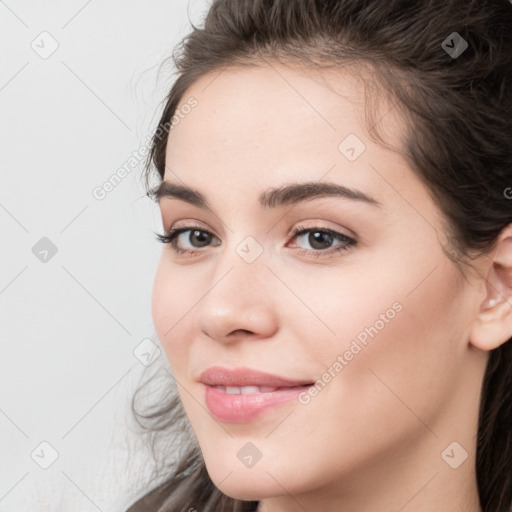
{"x":458,"y":141}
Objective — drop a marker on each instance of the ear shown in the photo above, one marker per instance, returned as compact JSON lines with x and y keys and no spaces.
{"x":493,"y":325}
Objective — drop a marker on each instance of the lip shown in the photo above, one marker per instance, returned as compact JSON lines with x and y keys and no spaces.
{"x":219,"y":376}
{"x":242,"y":408}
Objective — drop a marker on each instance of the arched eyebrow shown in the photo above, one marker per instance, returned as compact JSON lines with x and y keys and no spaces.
{"x":271,"y":198}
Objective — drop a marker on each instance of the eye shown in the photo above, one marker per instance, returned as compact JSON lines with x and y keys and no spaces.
{"x":198,"y":234}
{"x":320,"y":239}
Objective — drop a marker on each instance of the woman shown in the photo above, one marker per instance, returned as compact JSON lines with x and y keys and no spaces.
{"x":335,"y":293}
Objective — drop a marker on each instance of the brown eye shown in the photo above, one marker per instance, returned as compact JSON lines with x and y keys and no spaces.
{"x":197,"y":238}
{"x":202,"y":237}
{"x":321,"y":240}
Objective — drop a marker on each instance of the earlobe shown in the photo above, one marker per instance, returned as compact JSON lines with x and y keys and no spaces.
{"x":493,"y":325}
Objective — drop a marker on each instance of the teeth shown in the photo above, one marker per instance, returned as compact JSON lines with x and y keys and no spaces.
{"x":246,"y":390}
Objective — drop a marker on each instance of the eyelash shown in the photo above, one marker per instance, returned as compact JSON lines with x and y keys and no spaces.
{"x":169,"y":237}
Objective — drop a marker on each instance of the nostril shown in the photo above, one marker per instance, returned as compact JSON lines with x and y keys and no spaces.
{"x":241,"y":331}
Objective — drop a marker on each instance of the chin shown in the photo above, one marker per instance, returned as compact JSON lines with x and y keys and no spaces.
{"x":245,"y":484}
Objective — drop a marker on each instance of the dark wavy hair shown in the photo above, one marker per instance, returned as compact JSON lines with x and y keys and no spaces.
{"x":458,"y":114}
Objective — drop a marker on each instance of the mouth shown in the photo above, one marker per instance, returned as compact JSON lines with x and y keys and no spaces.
{"x":250,"y":390}
{"x":243,"y":395}
{"x":247,"y":377}
{"x":247,"y":403}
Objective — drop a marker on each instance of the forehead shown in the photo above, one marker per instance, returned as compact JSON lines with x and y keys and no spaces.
{"x":270,"y":109}
{"x":265,"y":125}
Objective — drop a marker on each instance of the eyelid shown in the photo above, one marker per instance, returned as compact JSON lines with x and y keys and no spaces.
{"x":321,"y":225}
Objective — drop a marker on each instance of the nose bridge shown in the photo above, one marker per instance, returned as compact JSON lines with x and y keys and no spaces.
{"x":242,"y":270}
{"x":238,"y":295}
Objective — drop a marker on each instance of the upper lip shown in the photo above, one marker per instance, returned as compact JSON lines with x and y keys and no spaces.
{"x":237,"y":377}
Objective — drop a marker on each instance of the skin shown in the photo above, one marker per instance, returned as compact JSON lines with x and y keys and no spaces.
{"x":372,"y":439}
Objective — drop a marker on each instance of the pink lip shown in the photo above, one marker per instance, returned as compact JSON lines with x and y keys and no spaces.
{"x":240,"y":408}
{"x":219,"y":376}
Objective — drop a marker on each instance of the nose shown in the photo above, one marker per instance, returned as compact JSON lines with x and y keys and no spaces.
{"x":238,"y":303}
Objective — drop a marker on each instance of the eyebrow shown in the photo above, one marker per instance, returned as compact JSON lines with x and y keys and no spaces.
{"x":271,"y":198}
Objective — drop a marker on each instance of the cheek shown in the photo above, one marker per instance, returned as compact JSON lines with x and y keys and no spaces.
{"x":169,"y":306}
{"x":400,"y":336}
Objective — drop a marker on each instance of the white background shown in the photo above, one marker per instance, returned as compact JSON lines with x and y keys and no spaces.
{"x":69,"y":326}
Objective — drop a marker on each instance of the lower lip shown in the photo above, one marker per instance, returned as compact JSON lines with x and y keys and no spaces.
{"x":238,"y":408}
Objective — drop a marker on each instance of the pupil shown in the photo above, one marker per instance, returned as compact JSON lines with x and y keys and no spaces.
{"x":200,"y":234}
{"x":323,"y":239}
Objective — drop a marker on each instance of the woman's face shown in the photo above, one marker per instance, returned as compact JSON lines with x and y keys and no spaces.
{"x":378,"y":316}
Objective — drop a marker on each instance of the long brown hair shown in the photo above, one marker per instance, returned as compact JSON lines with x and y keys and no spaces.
{"x":458,"y":110}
